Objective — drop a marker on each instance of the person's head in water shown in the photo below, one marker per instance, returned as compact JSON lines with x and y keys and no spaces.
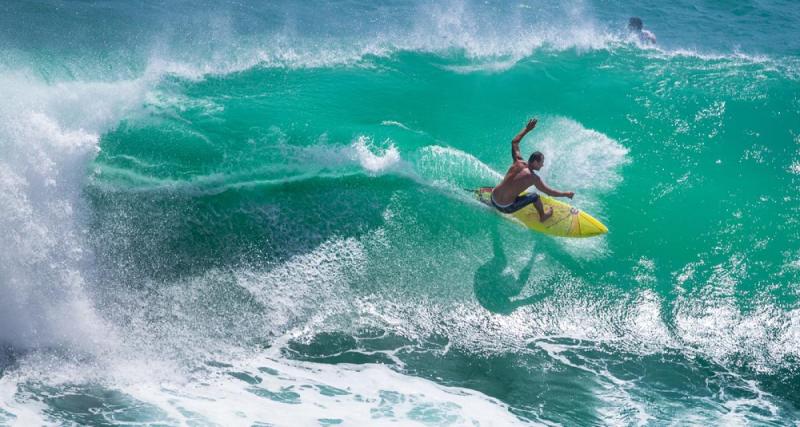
{"x":536,"y":161}
{"x":636,"y":27}
{"x":635,"y":24}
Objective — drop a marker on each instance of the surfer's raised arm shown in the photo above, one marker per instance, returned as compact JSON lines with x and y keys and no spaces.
{"x":515,"y":154}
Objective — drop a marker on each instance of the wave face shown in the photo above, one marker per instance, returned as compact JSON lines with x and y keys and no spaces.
{"x":236,"y":214}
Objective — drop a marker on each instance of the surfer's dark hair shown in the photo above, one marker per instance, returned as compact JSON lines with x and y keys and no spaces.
{"x":635,"y":24}
{"x":537,"y":155}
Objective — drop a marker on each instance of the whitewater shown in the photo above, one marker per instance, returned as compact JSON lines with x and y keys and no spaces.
{"x":216,"y":213}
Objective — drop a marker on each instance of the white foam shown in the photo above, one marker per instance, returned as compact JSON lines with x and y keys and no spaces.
{"x":363,"y":152}
{"x":577,"y":158}
{"x":49,"y":133}
{"x":283,"y":392}
{"x":291,"y":291}
{"x":401,"y":126}
{"x":273,"y":51}
{"x":373,"y":162}
{"x":23,"y":413}
{"x":362,"y":156}
{"x":451,"y":27}
{"x":795,"y":168}
{"x":486,"y":67}
{"x":711,"y":321}
{"x":436,"y":163}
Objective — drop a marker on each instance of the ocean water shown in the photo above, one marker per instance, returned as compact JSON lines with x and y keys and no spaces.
{"x":234,"y":213}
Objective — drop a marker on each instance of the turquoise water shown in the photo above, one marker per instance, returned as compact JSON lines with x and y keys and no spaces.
{"x":227,"y":214}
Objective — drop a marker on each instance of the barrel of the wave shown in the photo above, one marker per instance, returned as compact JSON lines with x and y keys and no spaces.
{"x":567,"y":221}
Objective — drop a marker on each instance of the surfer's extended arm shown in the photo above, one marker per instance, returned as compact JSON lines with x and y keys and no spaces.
{"x":515,"y":142}
{"x":538,"y":183}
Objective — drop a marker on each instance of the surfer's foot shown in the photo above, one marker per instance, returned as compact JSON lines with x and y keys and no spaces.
{"x":547,"y":214}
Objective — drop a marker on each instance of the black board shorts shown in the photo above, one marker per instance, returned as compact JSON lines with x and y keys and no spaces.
{"x":519,"y":203}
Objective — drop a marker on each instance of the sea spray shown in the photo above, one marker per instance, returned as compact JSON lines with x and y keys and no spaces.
{"x":254,"y":205}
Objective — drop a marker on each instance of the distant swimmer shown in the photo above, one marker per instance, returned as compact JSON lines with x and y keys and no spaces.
{"x":520,"y":176}
{"x":636,"y":27}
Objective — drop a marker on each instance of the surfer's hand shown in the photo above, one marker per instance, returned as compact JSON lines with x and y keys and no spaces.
{"x":531,"y":124}
{"x":569,"y":194}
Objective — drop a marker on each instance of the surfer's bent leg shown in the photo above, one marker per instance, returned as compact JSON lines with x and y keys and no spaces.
{"x":521,"y":202}
{"x":539,"y":208}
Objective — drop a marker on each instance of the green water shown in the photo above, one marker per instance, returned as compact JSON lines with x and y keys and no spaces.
{"x":689,"y":162}
{"x":290,"y":224}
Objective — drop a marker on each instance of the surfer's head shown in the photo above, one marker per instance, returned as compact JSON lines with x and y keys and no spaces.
{"x":635,"y":24}
{"x":536,"y":161}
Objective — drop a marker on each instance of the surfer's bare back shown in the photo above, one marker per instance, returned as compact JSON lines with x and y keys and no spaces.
{"x":506,"y":195}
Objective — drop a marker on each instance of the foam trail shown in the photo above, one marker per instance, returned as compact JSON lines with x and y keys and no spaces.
{"x":579,"y":158}
{"x":458,"y":168}
{"x":361,"y":156}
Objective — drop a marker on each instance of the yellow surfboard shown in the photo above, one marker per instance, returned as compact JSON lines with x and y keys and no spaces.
{"x":566,"y":221}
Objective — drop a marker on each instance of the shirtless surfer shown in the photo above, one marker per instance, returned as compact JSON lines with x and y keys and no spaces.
{"x":520,"y":176}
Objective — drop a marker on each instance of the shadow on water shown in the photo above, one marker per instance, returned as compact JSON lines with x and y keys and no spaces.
{"x":496,"y":287}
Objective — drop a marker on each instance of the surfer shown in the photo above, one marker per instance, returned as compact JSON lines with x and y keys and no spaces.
{"x":520,"y":176}
{"x":636,"y":27}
